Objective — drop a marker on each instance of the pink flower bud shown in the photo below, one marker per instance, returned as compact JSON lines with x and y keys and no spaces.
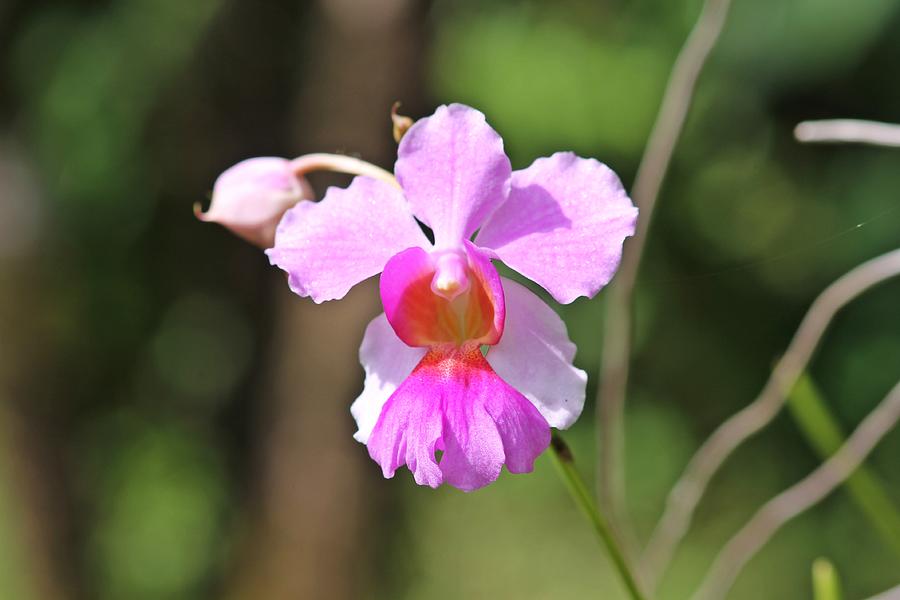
{"x":251,"y":197}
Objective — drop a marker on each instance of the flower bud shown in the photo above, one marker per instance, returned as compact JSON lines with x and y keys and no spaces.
{"x":251,"y":197}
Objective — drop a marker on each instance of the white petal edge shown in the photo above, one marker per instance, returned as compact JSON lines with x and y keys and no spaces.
{"x":387,"y":362}
{"x":535,"y":356}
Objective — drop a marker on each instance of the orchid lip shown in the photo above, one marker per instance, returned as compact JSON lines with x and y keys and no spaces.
{"x":441,"y":297}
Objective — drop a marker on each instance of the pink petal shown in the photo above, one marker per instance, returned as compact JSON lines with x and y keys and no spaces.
{"x":329,"y":246}
{"x":454,"y":172}
{"x":423,"y":317}
{"x":473,"y":448}
{"x":524,"y":431}
{"x":387,"y":362}
{"x":418,"y":315}
{"x":563,"y":225}
{"x":487,"y":275}
{"x":535,"y":356}
{"x":408,"y":432}
{"x":454,"y":402}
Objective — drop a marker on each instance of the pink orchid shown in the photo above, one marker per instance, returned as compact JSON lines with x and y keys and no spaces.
{"x":433,"y":400}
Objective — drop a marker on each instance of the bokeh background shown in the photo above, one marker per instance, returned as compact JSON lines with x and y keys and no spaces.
{"x":174,"y":423}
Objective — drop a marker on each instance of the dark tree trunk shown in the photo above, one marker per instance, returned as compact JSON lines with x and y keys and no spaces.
{"x":309,"y":533}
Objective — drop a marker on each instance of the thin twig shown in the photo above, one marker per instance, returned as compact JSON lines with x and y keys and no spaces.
{"x":732,"y":433}
{"x":798,"y":498}
{"x":565,"y":463}
{"x":849,"y":130}
{"x":865,"y":487}
{"x":651,"y":172}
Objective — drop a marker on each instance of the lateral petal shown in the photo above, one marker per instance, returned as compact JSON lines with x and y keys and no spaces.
{"x":535,"y":356}
{"x":327,"y":247}
{"x":563,"y":225}
{"x":387,"y":362}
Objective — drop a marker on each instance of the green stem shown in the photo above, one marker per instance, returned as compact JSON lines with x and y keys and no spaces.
{"x":826,"y":585}
{"x":565,"y":463}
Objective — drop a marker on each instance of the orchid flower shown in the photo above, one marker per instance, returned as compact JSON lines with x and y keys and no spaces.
{"x":465,"y":371}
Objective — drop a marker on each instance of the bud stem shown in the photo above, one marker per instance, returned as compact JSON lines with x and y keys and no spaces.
{"x":339,"y":163}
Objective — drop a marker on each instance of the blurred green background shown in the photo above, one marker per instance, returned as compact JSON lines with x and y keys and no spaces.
{"x":175,"y":425}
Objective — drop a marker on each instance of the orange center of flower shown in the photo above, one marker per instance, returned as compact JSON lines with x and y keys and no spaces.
{"x":449,"y":305}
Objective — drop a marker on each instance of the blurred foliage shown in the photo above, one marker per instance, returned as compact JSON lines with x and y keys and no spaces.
{"x":89,"y":84}
{"x":12,"y":561}
{"x":151,"y":327}
{"x":159,"y":520}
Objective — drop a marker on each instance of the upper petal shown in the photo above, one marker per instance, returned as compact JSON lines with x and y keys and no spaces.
{"x":328,"y":247}
{"x":535,"y":356}
{"x":563,"y":225}
{"x":454,"y":172}
{"x":387,"y":362}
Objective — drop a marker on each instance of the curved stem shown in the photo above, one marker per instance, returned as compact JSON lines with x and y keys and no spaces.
{"x":688,"y":490}
{"x":651,"y":172}
{"x":824,"y":433}
{"x":339,"y":163}
{"x":565,"y":463}
{"x":798,"y":498}
{"x":891,"y":594}
{"x":849,"y":130}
